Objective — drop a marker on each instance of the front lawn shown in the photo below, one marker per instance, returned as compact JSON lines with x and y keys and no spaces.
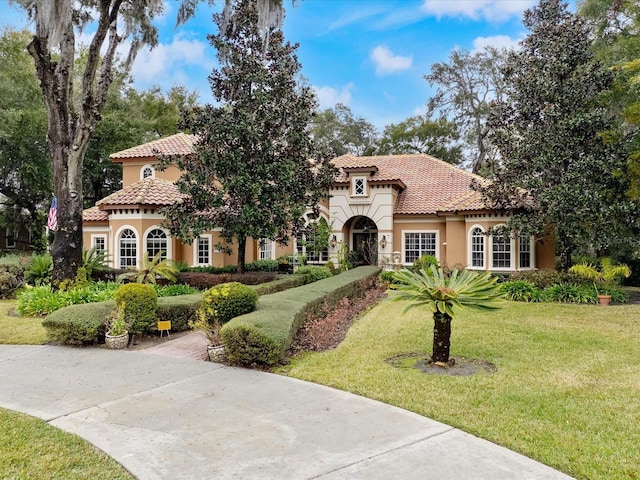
{"x":16,"y":330}
{"x":565,"y":393}
{"x":30,"y":448}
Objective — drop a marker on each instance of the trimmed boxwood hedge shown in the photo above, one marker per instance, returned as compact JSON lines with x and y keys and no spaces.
{"x":84,"y":324}
{"x":79,"y":324}
{"x":263,"y":336}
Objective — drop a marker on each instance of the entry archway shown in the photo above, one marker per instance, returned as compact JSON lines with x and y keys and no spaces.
{"x":364,"y":240}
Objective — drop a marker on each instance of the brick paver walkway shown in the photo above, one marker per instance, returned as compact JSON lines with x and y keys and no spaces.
{"x":192,"y":345}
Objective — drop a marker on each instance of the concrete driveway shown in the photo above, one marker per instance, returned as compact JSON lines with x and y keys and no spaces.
{"x":171,"y":418}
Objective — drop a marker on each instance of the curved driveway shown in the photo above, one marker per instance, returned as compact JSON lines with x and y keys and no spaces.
{"x":169,"y":418}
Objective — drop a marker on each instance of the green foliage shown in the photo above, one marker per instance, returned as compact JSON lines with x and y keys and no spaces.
{"x":180,"y":311}
{"x":261,"y":266}
{"x":439,"y":294}
{"x":606,"y":274}
{"x":37,"y":301}
{"x":262,"y":337}
{"x":556,"y":165}
{"x":251,"y":174}
{"x":139,"y":302}
{"x":421,"y":134}
{"x":337,"y":131}
{"x":224,"y":302}
{"x":569,"y":293}
{"x":39,"y":270}
{"x":78,"y":324}
{"x":117,"y":325}
{"x":345,"y":262}
{"x":150,"y":269}
{"x":288,"y":281}
{"x":95,"y":260}
{"x":424,"y":263}
{"x":313,"y":272}
{"x":174,"y":290}
{"x":203,"y":281}
{"x":540,"y":278}
{"x":521,"y":291}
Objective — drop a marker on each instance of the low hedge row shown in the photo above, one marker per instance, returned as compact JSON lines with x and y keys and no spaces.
{"x":84,"y":324}
{"x":285,"y":283}
{"x":263,"y":336}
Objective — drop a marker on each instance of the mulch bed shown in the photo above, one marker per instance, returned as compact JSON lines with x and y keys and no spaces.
{"x":461,"y":368}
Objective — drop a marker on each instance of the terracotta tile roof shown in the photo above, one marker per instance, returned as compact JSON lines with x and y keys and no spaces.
{"x":94,"y":214}
{"x":149,"y":191}
{"x":178,"y":144}
{"x":431,"y":185}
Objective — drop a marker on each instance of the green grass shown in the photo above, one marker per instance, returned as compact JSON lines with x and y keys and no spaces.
{"x":566,"y":390}
{"x":20,"y":330}
{"x":30,"y":448}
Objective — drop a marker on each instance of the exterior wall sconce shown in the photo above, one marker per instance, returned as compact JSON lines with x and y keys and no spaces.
{"x":383,"y":242}
{"x":333,"y":242}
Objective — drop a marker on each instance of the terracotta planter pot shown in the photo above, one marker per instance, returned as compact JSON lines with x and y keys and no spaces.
{"x":604,"y":299}
{"x":116,"y":342}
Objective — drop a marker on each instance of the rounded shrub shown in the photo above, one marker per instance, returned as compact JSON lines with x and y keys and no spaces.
{"x":424,"y":263}
{"x":313,"y":272}
{"x":226,"y":301}
{"x":139,"y":302}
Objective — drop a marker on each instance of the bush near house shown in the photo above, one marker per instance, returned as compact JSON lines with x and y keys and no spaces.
{"x":204,"y":281}
{"x":226,"y":301}
{"x":79,"y":324}
{"x":263,"y":336}
{"x":284,"y":283}
{"x":139,"y":302}
{"x":313,"y":272}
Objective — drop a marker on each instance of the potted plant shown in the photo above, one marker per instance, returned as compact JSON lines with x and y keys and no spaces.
{"x":605,"y":276}
{"x":117,"y":335}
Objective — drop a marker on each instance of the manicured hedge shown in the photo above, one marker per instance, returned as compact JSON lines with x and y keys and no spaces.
{"x":79,"y":324}
{"x":285,"y":283}
{"x":179,"y":310}
{"x":263,"y":336}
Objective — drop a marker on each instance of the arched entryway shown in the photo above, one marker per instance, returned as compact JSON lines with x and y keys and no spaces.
{"x":364,"y":240}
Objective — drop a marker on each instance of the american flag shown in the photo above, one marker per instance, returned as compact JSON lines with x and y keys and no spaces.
{"x":52,"y":221}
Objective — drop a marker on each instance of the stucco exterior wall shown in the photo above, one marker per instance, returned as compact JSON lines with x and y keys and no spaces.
{"x":132,"y":171}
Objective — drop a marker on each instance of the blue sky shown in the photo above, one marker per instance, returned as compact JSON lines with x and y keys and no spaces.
{"x":371,"y":55}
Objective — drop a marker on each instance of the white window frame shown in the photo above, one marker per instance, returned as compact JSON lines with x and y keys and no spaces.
{"x":512,"y":254}
{"x":300,"y":249}
{"x":119,"y":249}
{"x":532,"y":250}
{"x":404,"y":244}
{"x":365,"y":187}
{"x":265,"y":253}
{"x":155,"y":247}
{"x":101,"y":236}
{"x":144,"y":168}
{"x":471,"y":251}
{"x":11,"y":234}
{"x":196,"y":250}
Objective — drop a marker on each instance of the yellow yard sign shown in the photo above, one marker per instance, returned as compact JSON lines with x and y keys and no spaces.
{"x":164,"y":326}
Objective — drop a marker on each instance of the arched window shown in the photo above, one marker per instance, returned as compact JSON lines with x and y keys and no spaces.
{"x":128,"y":248}
{"x":477,"y":247}
{"x":147,"y":171}
{"x":156,"y":243}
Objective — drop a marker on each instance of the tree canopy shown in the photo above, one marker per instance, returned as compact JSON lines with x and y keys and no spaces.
{"x":256,"y":168}
{"x":340,"y":132}
{"x":556,"y":168}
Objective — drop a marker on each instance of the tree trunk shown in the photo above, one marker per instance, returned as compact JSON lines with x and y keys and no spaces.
{"x":441,"y":337}
{"x":66,"y":249}
{"x":242,"y":247}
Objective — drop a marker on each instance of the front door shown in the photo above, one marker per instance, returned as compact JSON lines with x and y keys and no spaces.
{"x":366,"y":247}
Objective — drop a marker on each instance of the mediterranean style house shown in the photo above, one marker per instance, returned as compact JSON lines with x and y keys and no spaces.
{"x":386,"y":209}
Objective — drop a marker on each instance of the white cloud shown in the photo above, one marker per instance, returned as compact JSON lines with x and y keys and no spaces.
{"x":167,"y":60}
{"x":490,"y":10}
{"x":328,"y":97}
{"x":497,"y":41}
{"x":386,"y":62}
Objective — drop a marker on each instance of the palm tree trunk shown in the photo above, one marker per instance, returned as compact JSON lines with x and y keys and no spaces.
{"x":441,"y":337}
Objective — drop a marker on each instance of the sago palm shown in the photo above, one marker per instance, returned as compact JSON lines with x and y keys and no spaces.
{"x":445,"y":297}
{"x":150,"y":269}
